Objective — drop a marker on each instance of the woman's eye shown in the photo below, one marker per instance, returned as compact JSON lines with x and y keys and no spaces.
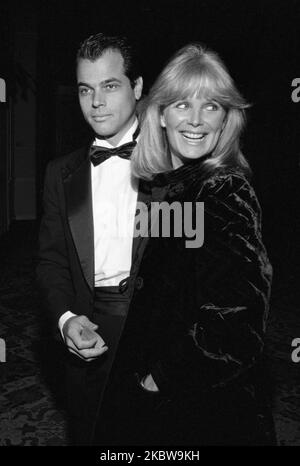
{"x":181,"y":105}
{"x":211,"y":106}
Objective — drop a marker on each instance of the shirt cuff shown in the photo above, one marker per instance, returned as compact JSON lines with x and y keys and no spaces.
{"x":63,"y":319}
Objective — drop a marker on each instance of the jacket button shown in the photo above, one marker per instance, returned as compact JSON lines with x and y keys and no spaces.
{"x":139,"y":283}
{"x":123,"y":285}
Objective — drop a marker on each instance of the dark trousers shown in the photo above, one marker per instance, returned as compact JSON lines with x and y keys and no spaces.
{"x":107,"y":405}
{"x":86,"y":381}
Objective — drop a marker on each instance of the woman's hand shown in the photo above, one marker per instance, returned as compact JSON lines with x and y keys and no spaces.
{"x":148,"y":383}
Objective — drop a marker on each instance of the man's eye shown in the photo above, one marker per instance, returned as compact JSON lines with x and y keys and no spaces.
{"x":84,"y":91}
{"x":111,"y":87}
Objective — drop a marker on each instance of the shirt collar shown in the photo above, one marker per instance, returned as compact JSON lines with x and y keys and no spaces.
{"x":126,"y":138}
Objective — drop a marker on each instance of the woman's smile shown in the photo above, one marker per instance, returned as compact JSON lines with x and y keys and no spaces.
{"x":193,"y":137}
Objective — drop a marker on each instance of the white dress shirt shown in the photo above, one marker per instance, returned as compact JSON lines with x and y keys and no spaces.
{"x":114,"y":197}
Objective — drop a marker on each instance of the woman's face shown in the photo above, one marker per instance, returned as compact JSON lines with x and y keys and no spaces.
{"x":193,"y":127}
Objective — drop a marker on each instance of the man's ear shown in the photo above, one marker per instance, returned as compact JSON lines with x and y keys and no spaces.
{"x":162,"y":121}
{"x":138,"y":88}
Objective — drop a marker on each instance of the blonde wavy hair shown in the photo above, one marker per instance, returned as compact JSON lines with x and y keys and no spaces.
{"x":192,"y":71}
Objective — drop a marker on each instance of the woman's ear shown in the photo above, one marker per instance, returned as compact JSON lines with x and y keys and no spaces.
{"x":162,"y":121}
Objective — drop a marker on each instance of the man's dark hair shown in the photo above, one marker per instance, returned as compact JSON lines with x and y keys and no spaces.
{"x":96,"y":45}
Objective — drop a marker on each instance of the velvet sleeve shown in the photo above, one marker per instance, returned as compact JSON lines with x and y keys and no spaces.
{"x":229,"y":288}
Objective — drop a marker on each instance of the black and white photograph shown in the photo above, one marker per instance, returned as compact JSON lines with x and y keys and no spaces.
{"x":149,"y":226}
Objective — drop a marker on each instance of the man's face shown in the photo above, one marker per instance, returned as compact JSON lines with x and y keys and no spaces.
{"x":106,"y":97}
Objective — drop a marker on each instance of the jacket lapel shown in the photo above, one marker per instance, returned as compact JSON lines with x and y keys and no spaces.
{"x":146,"y":196}
{"x":78,"y":190}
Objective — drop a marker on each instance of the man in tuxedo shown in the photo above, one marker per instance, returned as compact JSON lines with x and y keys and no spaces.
{"x":89,"y":200}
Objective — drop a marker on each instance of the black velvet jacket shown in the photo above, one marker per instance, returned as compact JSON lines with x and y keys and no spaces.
{"x":198,"y":321}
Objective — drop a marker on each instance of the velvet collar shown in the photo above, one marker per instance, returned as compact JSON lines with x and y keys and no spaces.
{"x":187,"y":172}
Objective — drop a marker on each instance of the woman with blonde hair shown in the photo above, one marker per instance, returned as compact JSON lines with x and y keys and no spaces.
{"x":194,"y":334}
{"x":195,"y":72}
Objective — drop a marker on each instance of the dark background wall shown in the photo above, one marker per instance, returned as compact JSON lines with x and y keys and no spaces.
{"x":259,"y":40}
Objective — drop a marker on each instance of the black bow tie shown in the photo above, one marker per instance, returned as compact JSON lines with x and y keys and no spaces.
{"x":100,"y":154}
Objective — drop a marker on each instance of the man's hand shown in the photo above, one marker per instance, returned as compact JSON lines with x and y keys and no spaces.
{"x":81,"y":338}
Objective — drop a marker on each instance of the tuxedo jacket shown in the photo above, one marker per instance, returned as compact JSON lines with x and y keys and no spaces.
{"x":66,"y":244}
